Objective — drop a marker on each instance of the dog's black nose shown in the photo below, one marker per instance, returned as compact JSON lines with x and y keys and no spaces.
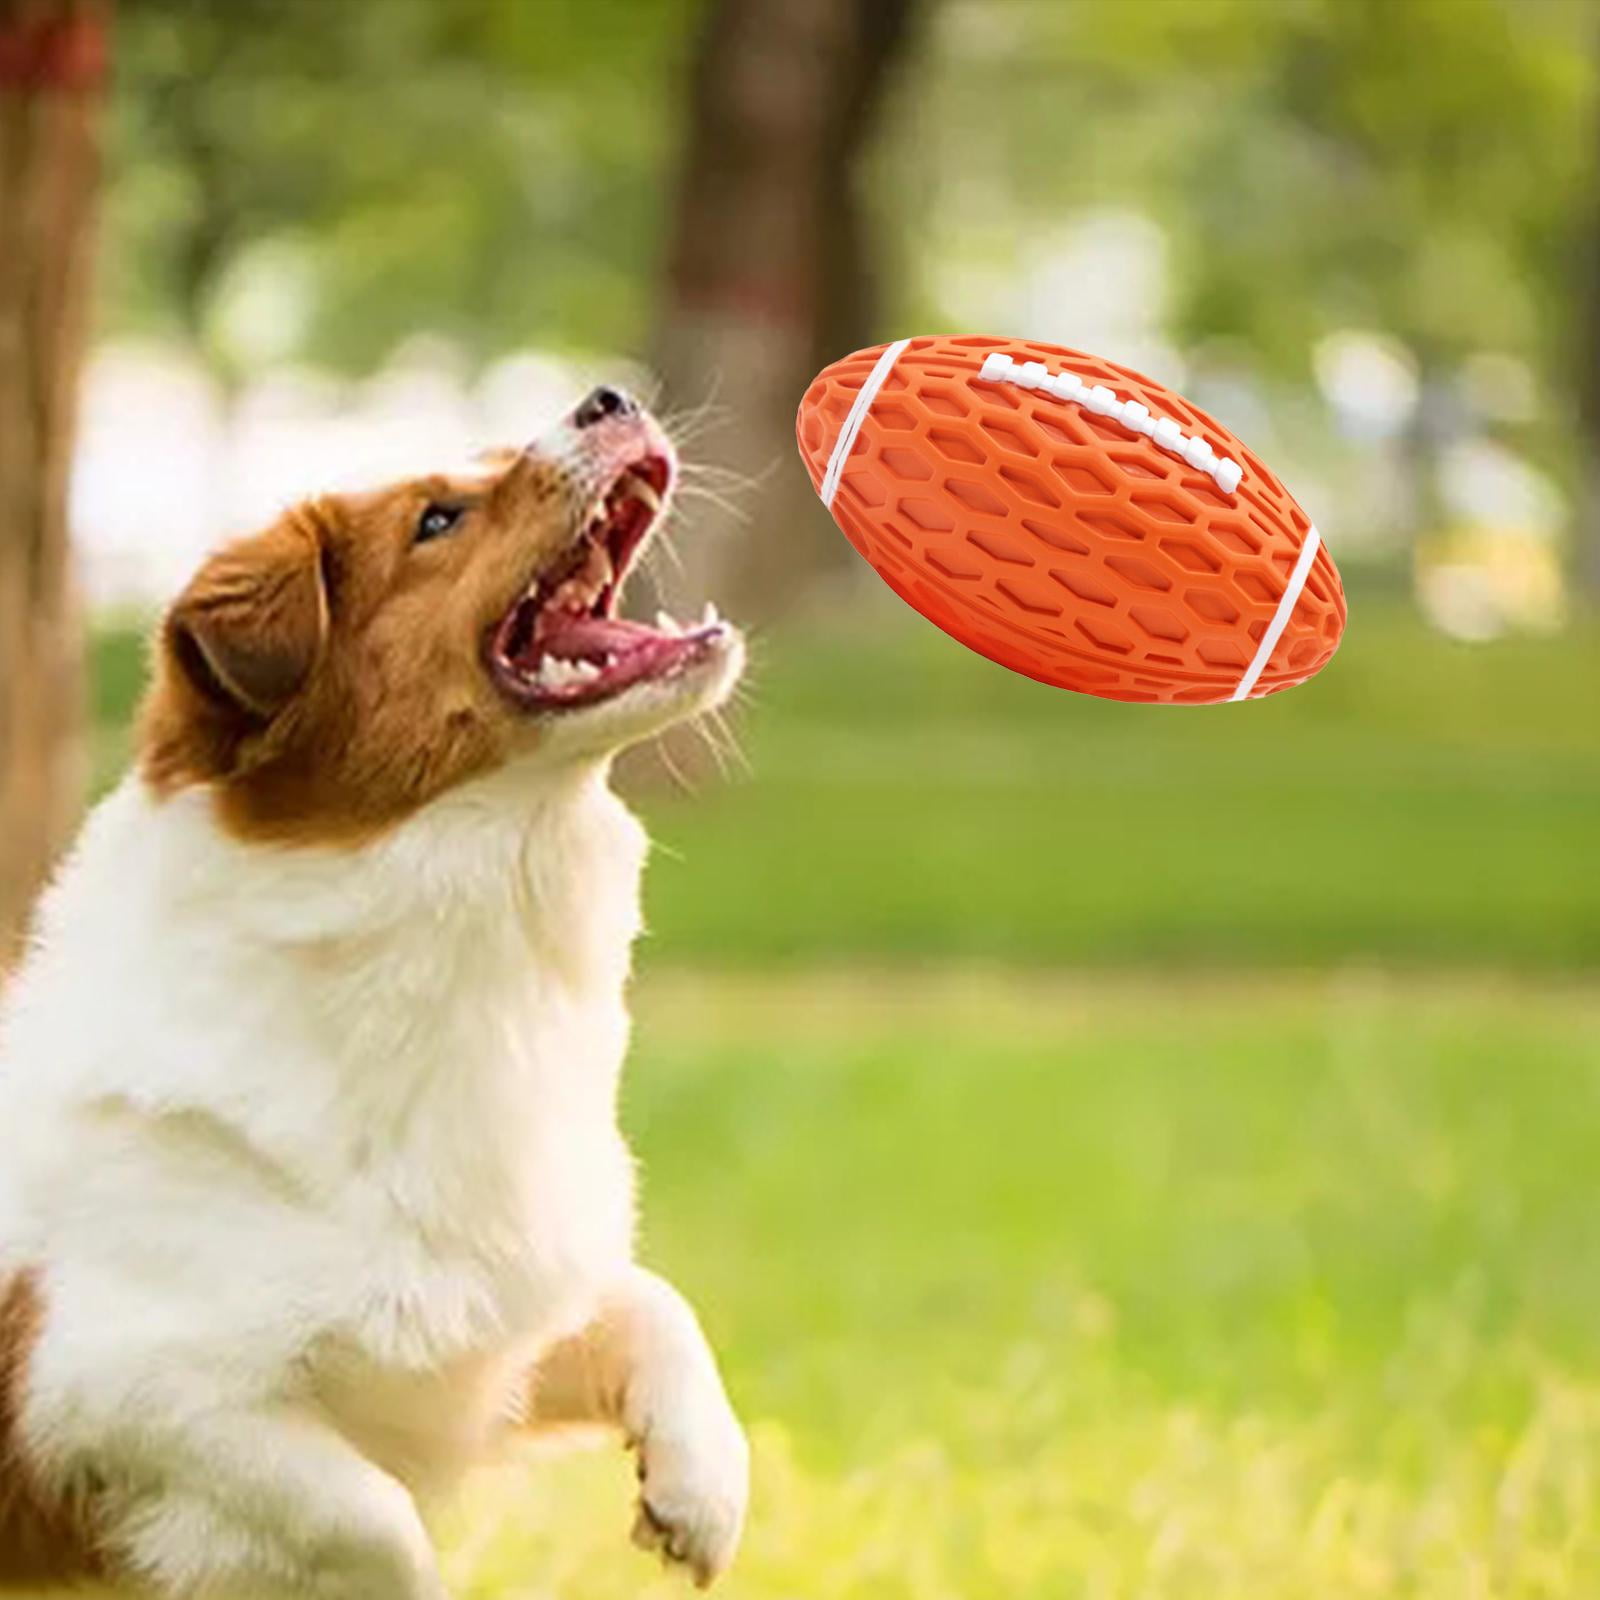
{"x":602,"y":403}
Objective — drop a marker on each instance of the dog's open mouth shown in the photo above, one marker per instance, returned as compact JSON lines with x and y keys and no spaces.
{"x":562,"y":645}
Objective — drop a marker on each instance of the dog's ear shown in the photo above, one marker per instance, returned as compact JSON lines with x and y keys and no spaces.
{"x":250,"y":628}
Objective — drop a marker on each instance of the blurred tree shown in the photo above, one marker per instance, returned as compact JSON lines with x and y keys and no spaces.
{"x":499,"y":172}
{"x":770,"y":272}
{"x":52,"y":56}
{"x":1587,"y":347}
{"x":1420,"y":170}
{"x":486,"y":172}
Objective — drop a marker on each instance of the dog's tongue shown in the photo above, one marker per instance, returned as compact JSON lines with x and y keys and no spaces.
{"x":572,"y":638}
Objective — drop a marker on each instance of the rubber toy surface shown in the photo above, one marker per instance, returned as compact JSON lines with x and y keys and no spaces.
{"x":1071,"y":519}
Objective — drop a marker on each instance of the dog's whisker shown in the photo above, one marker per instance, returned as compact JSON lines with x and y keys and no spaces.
{"x":664,"y":548}
{"x":695,"y":421}
{"x":709,"y":402}
{"x":688,"y":416}
{"x":724,"y":479}
{"x":692,"y":424}
{"x":719,"y":720}
{"x":721,"y":474}
{"x":702,"y":729}
{"x":753,"y":480}
{"x":669,"y":761}
{"x":700,"y":491}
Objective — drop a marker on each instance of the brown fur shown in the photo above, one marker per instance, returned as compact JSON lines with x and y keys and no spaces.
{"x":326,"y":675}
{"x":579,"y":1380}
{"x":43,"y":1539}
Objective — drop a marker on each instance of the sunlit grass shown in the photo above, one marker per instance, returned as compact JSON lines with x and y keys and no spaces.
{"x":1158,"y":1504}
{"x":1230,"y":1289}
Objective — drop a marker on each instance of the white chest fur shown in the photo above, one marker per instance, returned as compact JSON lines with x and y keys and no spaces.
{"x":343,"y":1113}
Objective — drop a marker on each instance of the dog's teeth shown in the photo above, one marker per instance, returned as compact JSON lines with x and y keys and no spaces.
{"x":585,"y":670}
{"x":709,"y":615}
{"x":554,"y":673}
{"x":643,"y":490}
{"x":666,"y":623}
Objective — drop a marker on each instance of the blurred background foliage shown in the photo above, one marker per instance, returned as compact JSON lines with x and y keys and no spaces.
{"x":310,"y":184}
{"x":492,"y":174}
{"x":1121,"y":1152}
{"x":499,"y":173}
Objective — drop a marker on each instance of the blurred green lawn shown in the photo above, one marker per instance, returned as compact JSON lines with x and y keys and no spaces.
{"x":1191,"y":1276}
{"x":1421,"y":802}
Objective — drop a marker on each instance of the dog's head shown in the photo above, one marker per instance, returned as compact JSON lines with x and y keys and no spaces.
{"x":367,"y":652}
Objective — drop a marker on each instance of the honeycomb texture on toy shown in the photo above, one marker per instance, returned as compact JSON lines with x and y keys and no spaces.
{"x":1058,"y":543}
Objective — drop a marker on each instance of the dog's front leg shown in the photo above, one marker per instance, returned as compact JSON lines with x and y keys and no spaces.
{"x":273,"y":1503}
{"x":644,"y":1364}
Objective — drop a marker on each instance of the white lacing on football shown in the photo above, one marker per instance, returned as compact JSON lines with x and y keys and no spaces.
{"x":845,"y":443}
{"x":1163,"y":432}
{"x":1289,"y":599}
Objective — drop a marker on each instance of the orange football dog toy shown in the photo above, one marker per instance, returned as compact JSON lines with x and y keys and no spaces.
{"x":1071,"y":519}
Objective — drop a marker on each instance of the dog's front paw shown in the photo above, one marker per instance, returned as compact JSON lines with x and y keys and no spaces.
{"x":694,"y":1486}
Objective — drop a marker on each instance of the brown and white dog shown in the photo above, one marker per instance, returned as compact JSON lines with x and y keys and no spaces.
{"x":311,"y":1187}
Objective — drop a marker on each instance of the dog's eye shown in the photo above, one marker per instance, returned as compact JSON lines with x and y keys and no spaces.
{"x":436,"y":521}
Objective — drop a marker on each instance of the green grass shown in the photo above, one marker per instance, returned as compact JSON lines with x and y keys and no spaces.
{"x":1419,"y":802}
{"x":1249,"y":1289}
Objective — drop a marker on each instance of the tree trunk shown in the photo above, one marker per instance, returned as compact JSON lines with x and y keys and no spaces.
{"x":52,"y":55}
{"x":770,"y":273}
